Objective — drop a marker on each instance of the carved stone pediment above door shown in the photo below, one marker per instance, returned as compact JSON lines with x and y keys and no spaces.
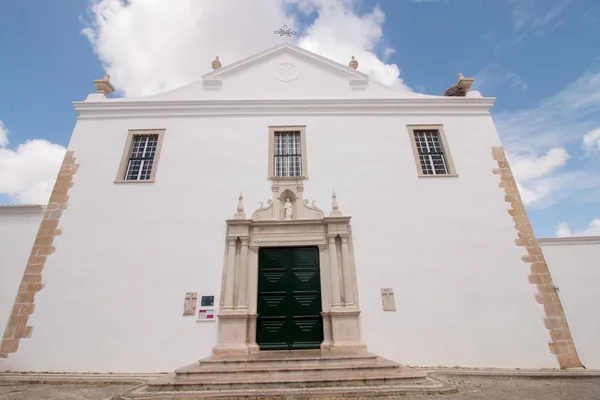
{"x":287,"y":194}
{"x":288,"y":220}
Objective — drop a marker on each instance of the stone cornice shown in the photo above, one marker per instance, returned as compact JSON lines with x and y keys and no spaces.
{"x":569,"y":241}
{"x":22,"y":206}
{"x":118,"y":108}
{"x":345,"y":219}
{"x":21,"y":209}
{"x":267,"y":222}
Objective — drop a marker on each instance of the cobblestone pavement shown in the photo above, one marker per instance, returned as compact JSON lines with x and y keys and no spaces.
{"x":60,"y":392}
{"x":498,"y":388}
{"x":470,"y":388}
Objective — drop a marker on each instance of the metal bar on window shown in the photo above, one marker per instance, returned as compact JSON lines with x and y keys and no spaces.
{"x":431,"y":152}
{"x":141,"y":159}
{"x":287,"y":153}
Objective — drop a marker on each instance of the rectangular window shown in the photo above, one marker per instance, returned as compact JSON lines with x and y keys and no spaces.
{"x":287,"y":152}
{"x":140,"y":157}
{"x":431,"y":151}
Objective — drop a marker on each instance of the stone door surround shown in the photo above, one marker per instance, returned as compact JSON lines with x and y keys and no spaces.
{"x":267,"y":228}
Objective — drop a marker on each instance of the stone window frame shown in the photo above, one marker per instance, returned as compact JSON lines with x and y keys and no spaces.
{"x":272,"y":130}
{"x":127,"y":152}
{"x":447,"y":153}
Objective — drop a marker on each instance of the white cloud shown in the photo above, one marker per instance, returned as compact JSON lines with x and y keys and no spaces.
{"x":537,"y":15}
{"x":536,"y":138}
{"x":591,"y":141}
{"x":528,"y":169}
{"x":149,"y":46}
{"x":531,"y":167}
{"x":338,"y":32}
{"x":564,"y":230}
{"x":559,"y":120}
{"x":493,"y":76}
{"x":3,"y":135}
{"x":27,"y":173}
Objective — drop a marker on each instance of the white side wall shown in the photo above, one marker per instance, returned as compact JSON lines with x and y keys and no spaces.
{"x":18,"y":228}
{"x":128,"y":253}
{"x":575,"y":267}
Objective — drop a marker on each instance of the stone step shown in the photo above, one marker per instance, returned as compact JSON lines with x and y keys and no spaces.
{"x":195,"y":369}
{"x":290,"y":356}
{"x":431,"y":386}
{"x":283,"y":370}
{"x":299,"y":379}
{"x":289,"y":364}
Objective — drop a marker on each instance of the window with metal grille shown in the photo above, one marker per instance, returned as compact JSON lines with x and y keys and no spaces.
{"x":287,"y":154}
{"x":431,"y":152}
{"x":143,"y":149}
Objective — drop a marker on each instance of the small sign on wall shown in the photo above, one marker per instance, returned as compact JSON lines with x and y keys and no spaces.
{"x":388,"y":300}
{"x":206,"y":313}
{"x":207,"y":301}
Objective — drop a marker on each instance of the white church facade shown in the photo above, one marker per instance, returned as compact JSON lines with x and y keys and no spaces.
{"x":283,"y":202}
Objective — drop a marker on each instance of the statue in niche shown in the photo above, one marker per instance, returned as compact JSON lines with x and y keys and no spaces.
{"x":288,"y":209}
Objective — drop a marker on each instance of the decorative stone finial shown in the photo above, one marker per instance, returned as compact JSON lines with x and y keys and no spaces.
{"x":104,"y":86}
{"x":353,"y":63}
{"x":461,"y":88}
{"x":216,"y":64}
{"x":240,"y":208}
{"x":335,"y":208}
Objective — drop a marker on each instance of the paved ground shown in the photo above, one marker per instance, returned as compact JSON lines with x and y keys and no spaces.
{"x":471,"y":388}
{"x":60,"y":392}
{"x":479,"y":388}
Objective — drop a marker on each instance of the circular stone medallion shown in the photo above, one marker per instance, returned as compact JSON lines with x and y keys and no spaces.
{"x":285,"y":72}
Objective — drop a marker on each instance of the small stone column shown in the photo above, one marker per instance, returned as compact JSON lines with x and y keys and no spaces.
{"x":346,"y":269}
{"x":242,"y":305}
{"x":335,"y":276}
{"x":230,"y":282}
{"x":276,"y":202}
{"x":252,"y":292}
{"x":325,"y":296}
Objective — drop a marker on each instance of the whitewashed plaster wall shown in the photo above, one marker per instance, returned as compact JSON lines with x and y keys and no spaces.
{"x":128,"y":253}
{"x":18,"y":228}
{"x":575,"y":269}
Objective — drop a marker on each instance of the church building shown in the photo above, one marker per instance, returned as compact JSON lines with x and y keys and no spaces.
{"x":281,"y":203}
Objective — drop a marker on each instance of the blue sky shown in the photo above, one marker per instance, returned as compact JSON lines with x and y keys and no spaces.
{"x":540,"y":58}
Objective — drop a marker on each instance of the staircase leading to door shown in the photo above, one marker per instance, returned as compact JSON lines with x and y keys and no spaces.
{"x":305,"y":373}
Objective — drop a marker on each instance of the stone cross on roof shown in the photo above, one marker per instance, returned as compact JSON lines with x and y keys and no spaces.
{"x":285,"y":33}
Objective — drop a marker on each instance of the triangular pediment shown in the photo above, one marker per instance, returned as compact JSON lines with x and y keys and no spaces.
{"x":290,"y":50}
{"x":283,"y":72}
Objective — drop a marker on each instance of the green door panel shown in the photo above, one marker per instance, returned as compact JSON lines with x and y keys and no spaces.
{"x":289,"y":299}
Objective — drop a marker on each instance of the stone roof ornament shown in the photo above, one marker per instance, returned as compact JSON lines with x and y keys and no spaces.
{"x":335,"y":208}
{"x":461,"y":88}
{"x":353,"y":63}
{"x":104,"y":86}
{"x":240,"y":208}
{"x":216,"y":64}
{"x":285,"y":33}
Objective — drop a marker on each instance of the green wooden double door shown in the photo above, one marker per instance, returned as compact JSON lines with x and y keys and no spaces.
{"x":289,"y":299}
